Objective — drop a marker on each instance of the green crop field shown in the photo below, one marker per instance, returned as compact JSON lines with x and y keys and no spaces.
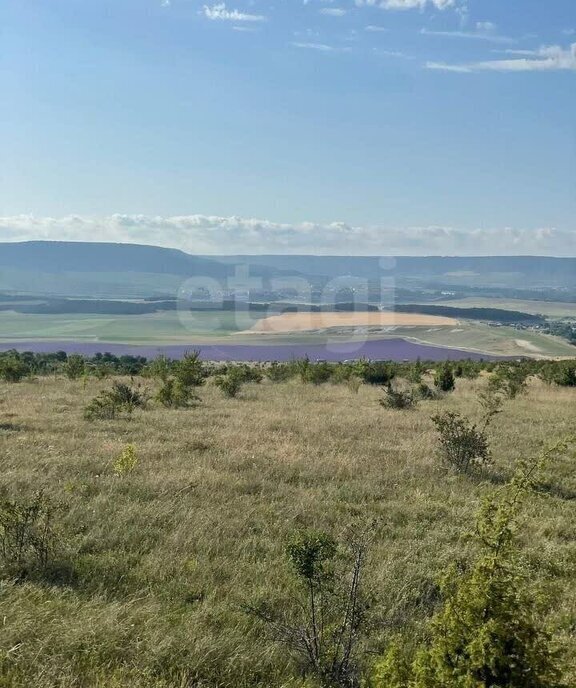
{"x":547,"y":308}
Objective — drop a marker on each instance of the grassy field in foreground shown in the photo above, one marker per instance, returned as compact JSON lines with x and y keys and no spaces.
{"x":163,"y":559}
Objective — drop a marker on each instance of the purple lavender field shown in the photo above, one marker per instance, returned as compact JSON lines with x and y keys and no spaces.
{"x":379,"y":349}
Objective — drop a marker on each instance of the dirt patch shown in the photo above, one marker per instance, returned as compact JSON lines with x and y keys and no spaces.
{"x":525,"y":344}
{"x":300,"y":322}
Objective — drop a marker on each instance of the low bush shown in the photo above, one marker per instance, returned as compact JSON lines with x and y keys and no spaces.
{"x":395,"y":398}
{"x":463,"y":445}
{"x":109,"y":404}
{"x":28,"y":537}
{"x":13,"y":369}
{"x":230,"y":384}
{"x":126,"y":461}
{"x":324,"y":628}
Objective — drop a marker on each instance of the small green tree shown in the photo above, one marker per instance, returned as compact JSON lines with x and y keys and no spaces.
{"x":75,"y":367}
{"x":327,"y":634}
{"x":444,"y":378}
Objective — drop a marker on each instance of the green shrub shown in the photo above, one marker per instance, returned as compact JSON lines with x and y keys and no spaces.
{"x":126,"y":461}
{"x":230,"y":384}
{"x":377,"y":373}
{"x":561,"y":373}
{"x":27,"y":534}
{"x":425,"y":392}
{"x":509,"y":380}
{"x":280,"y":372}
{"x":13,"y":369}
{"x":173,"y":394}
{"x":324,"y":628}
{"x":463,"y":445}
{"x":74,"y":367}
{"x":488,"y":633}
{"x":317,"y":373}
{"x":395,"y":398}
{"x":444,"y":378}
{"x":111,"y":403}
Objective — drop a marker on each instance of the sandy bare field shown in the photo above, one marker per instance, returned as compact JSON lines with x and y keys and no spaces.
{"x":300,"y":322}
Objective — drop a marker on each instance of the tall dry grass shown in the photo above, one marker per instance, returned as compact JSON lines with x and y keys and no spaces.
{"x":156,"y":565}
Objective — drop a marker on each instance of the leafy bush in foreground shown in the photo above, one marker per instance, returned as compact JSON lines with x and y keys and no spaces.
{"x":488,"y":633}
{"x":328,"y":630}
{"x":27,"y":535}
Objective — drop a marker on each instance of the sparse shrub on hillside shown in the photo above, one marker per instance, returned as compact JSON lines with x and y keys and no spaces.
{"x":189,"y":371}
{"x":109,"y":404}
{"x":126,"y":461}
{"x":13,"y":369}
{"x":280,"y":372}
{"x":75,"y":367}
{"x":173,"y":394}
{"x":324,"y":630}
{"x":318,"y":373}
{"x":463,"y":445}
{"x":377,"y":372}
{"x":488,"y":633}
{"x":414,"y":372}
{"x":395,"y":398}
{"x":444,"y":378}
{"x":159,"y":368}
{"x":510,"y":380}
{"x":230,"y":384}
{"x":179,"y":380}
{"x":27,"y":534}
{"x":425,"y":392}
{"x":561,"y":373}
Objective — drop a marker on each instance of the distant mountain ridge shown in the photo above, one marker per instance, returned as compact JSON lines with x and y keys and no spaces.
{"x":111,"y":269}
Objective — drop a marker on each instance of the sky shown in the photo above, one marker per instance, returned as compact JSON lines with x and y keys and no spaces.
{"x":291,"y":126}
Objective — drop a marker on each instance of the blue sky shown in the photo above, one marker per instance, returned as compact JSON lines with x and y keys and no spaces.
{"x":361,"y":126}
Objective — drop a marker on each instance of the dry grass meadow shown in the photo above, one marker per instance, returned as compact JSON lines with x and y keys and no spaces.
{"x":157,"y":565}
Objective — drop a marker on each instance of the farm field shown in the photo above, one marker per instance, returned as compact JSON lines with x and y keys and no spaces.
{"x":547,"y":308}
{"x":300,"y":322}
{"x":156,"y":566}
{"x":228,"y":328}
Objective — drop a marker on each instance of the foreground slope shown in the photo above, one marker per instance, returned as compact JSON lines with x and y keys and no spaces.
{"x":166,"y":558}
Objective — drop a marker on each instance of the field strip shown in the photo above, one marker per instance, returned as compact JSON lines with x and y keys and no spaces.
{"x":301,"y":322}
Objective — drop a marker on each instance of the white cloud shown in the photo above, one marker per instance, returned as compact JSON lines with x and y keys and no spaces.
{"x":203,"y":234}
{"x":320,"y":47}
{"x":219,"y":12}
{"x":485,"y":31}
{"x":545,"y":59}
{"x":333,"y":11}
{"x":407,"y":4}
